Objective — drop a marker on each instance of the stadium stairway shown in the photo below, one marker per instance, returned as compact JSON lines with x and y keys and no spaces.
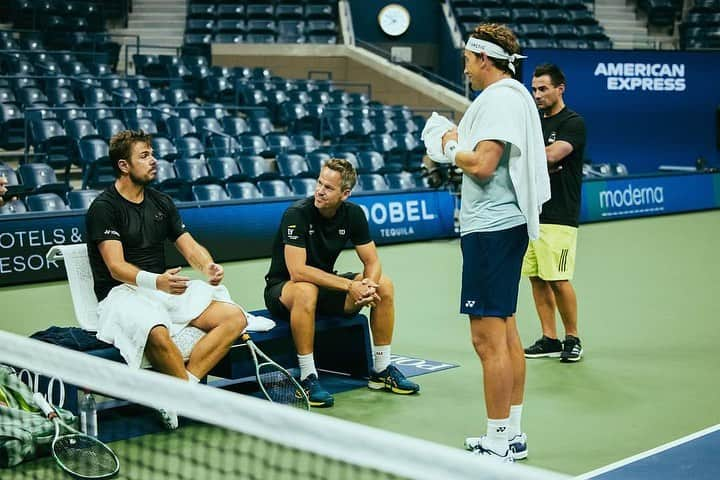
{"x":158,"y":23}
{"x":625,"y":28}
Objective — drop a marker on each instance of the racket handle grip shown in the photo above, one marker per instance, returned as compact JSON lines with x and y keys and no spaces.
{"x":43,"y":404}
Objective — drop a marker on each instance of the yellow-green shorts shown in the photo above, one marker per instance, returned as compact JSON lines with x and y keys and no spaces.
{"x":552,"y":256}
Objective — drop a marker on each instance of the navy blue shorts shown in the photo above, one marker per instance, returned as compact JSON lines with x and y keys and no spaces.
{"x":491,"y":271}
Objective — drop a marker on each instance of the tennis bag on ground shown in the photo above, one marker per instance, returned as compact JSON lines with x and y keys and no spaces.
{"x":25,"y":432}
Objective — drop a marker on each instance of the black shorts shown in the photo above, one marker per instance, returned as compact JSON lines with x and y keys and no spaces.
{"x":491,"y":271}
{"x":329,"y":302}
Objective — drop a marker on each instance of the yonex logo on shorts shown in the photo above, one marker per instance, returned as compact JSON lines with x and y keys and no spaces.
{"x":470,"y":303}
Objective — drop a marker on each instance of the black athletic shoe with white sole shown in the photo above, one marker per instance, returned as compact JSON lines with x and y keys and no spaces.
{"x":544,"y":347}
{"x":572,"y":349}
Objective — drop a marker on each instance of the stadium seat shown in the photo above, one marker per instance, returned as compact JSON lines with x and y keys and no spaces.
{"x":225,"y":170}
{"x":256,"y":167}
{"x":274,"y":188}
{"x":251,"y":144}
{"x":13,"y":206}
{"x":12,"y":127}
{"x":52,"y":143}
{"x":371,"y":182}
{"x":370,"y":162}
{"x":401,"y":181}
{"x":278,"y":143}
{"x":304,"y":143}
{"x":292,"y":165}
{"x":81,"y":199}
{"x":243,"y":190}
{"x":45,"y":202}
{"x":235,"y":126}
{"x":303,"y":186}
{"x":189,"y":147}
{"x":163,"y":148}
{"x":209,"y":193}
{"x":315,"y":161}
{"x":108,"y":127}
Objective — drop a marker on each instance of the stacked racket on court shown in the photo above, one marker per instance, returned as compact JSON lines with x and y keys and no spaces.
{"x":256,"y":434}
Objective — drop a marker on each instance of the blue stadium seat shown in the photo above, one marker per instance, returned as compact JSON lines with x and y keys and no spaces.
{"x":29,"y":95}
{"x":225,"y":170}
{"x":278,"y":143}
{"x":235,"y":126}
{"x":349,"y":156}
{"x":12,"y":127}
{"x":52,"y":143}
{"x":315,"y":161}
{"x":304,"y":143}
{"x":292,"y":165}
{"x":231,"y":11}
{"x":401,"y":181}
{"x":60,"y":96}
{"x":243,"y":190}
{"x":108,"y":127}
{"x":303,"y":186}
{"x":274,"y":188}
{"x":190,"y":110}
{"x":256,"y":167}
{"x":209,"y":193}
{"x":163,"y":148}
{"x":251,"y":144}
{"x":370,"y":162}
{"x":81,"y":199}
{"x":98,"y":111}
{"x":13,"y":206}
{"x":371,"y":182}
{"x":189,"y":147}
{"x":80,"y":128}
{"x":45,"y":202}
{"x":178,"y":127}
{"x":70,"y":111}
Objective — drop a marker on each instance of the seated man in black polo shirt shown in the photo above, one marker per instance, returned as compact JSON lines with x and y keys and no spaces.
{"x":302,"y":281}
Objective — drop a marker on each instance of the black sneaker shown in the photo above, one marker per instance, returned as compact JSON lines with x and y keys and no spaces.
{"x":544,"y":347}
{"x":572,"y":349}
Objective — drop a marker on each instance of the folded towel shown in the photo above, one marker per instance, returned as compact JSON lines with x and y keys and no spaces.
{"x":432,"y":134}
{"x":256,"y":323}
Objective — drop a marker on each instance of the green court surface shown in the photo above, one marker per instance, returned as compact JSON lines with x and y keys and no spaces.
{"x":648,"y":303}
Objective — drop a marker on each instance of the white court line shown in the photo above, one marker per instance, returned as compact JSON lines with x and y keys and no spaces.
{"x":640,"y":456}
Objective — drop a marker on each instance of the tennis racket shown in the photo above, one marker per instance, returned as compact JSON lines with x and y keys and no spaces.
{"x":275,"y":382}
{"x":78,"y":454}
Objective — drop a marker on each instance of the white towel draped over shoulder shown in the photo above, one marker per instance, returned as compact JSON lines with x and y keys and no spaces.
{"x":493,"y":115}
{"x":435,"y":127}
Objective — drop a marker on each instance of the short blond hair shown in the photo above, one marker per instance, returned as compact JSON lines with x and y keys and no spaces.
{"x":347,"y":172}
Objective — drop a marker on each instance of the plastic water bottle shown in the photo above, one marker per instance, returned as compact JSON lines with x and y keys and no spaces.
{"x":88,"y":414}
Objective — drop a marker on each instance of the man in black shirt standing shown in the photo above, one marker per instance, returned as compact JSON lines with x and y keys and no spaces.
{"x":302,"y":281}
{"x":550,"y":260}
{"x":142,"y":303}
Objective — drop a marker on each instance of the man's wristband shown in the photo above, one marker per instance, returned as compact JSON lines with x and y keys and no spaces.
{"x":451,"y":150}
{"x":146,"y":280}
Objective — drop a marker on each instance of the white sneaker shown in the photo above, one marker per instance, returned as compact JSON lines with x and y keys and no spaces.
{"x":475,"y":445}
{"x":169,"y":419}
{"x":518,"y":445}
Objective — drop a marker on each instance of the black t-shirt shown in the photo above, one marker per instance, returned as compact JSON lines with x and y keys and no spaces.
{"x":142,"y":228}
{"x":563,"y":208}
{"x":322,"y":238}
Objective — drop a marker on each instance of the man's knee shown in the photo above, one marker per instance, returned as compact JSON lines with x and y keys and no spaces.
{"x":233,"y":318}
{"x":386,"y":289}
{"x":302,"y":297}
{"x":159,"y":338}
{"x":559,"y":286}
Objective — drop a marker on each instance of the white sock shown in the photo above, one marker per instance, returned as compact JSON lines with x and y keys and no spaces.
{"x":192,"y":378}
{"x":382,"y":357}
{"x":307,"y":365}
{"x":497,"y":435}
{"x":514,"y":427}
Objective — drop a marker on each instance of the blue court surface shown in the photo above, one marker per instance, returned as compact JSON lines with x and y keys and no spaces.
{"x":696,"y":457}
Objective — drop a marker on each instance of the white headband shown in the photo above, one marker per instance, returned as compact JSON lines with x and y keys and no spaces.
{"x":492,"y":50}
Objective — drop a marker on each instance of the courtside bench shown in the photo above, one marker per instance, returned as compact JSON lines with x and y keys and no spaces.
{"x":342,"y":344}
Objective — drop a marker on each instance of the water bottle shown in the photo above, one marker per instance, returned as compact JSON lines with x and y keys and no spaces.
{"x":88,"y":414}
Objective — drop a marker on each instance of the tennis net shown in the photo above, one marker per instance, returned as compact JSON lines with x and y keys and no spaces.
{"x":223,"y":434}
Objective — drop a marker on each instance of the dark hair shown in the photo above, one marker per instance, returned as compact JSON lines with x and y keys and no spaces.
{"x":557,"y":77}
{"x":346,"y":171}
{"x":500,"y":35}
{"x":121,"y":146}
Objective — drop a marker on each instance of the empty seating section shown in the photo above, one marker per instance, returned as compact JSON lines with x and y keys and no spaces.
{"x":257,"y":21}
{"x":538,"y":23}
{"x":701,"y":27}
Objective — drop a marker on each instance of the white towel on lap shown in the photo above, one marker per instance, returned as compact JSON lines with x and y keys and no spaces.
{"x":435,"y":127}
{"x":127,"y":314}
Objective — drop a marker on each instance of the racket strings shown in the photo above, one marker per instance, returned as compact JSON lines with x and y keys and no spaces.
{"x":84,"y":457}
{"x":280,"y":387}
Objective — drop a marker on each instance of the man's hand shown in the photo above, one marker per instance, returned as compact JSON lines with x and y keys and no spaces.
{"x":451,"y":134}
{"x":215,"y":274}
{"x":172,"y":283}
{"x":364,"y":293}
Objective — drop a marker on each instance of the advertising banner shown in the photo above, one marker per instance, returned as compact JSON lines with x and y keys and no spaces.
{"x":641,"y":108}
